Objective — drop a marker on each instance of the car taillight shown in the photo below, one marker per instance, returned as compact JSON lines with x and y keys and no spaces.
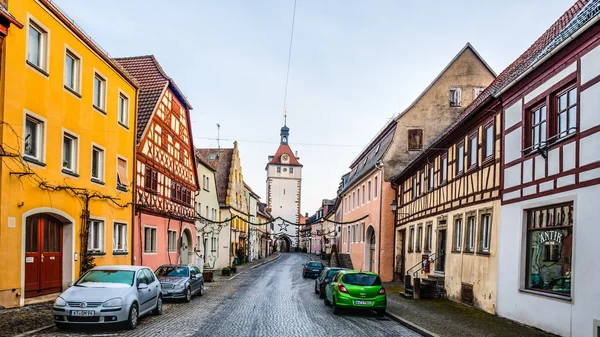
{"x":382,"y":291}
{"x":306,"y":269}
{"x":342,"y":289}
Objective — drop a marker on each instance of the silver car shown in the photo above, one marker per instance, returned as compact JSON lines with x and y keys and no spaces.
{"x":109,"y":294}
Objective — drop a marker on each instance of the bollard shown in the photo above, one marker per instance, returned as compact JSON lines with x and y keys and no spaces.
{"x":417,"y":289}
{"x":406,"y":281}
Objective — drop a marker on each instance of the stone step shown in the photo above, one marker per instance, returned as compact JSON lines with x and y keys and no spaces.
{"x":408,"y":296}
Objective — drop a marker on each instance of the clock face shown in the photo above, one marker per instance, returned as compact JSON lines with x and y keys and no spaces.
{"x":285,"y":157}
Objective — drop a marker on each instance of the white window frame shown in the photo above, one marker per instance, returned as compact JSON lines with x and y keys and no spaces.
{"x":103,"y":91}
{"x":369,"y":191}
{"x":44,"y":49}
{"x":473,"y":151}
{"x":94,"y":221}
{"x":460,"y":158}
{"x":422,"y":182}
{"x":171,"y":241}
{"x":102,"y":169}
{"x":457,"y":234}
{"x":74,"y":151}
{"x":455,"y":97}
{"x":486,"y":226}
{"x":472,"y":232}
{"x":119,"y":184}
{"x":120,"y":234}
{"x":125,"y":97}
{"x":76,"y":71}
{"x":153,"y":242}
{"x":375,"y":187}
{"x":477,"y":91}
{"x":40,"y":144}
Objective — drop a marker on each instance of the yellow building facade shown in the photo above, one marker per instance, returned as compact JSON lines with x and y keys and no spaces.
{"x":67,"y":137}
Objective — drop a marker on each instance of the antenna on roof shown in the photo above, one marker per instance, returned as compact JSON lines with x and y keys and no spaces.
{"x":218,"y":139}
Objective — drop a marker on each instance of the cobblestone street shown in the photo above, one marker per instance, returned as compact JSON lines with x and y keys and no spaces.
{"x":271,"y":300}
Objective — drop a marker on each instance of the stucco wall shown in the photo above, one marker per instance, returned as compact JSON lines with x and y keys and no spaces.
{"x":432,"y":112}
{"x":566,"y":318}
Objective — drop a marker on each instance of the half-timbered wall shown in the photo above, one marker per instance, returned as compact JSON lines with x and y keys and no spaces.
{"x":165,"y":149}
{"x":449,"y":210}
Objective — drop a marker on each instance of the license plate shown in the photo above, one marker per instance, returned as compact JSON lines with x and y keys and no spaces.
{"x":82,"y":312}
{"x":362,"y":302}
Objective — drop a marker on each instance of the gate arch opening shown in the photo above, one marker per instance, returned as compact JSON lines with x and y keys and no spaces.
{"x":283,"y":243}
{"x":370,"y":249}
{"x":187,"y":247}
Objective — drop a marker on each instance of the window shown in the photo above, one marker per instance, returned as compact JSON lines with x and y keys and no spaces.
{"x":411,"y":238}
{"x":150,"y":240}
{"x":358,"y":197}
{"x":567,"y":112}
{"x":422,"y":183}
{"x":470,"y":235}
{"x":477,"y":91}
{"x":353,"y":200}
{"x":123,"y":110}
{"x":172,"y":240}
{"x":369,"y":191}
{"x":460,"y":158}
{"x":457,"y":234}
{"x":69,"y":156}
{"x":455,"y":98}
{"x":415,"y":139}
{"x":99,"y":92}
{"x":428,"y":238}
{"x":97,"y":164}
{"x":278,"y":169}
{"x":485,"y":233}
{"x":375,"y":188}
{"x":151,"y":179}
{"x":444,"y":169}
{"x":96,"y":236}
{"x":122,"y":180}
{"x":489,"y":141}
{"x":419,"y":238}
{"x":414,"y":187}
{"x":291,"y":170}
{"x":473,"y":151}
{"x":119,"y":237}
{"x":538,"y":126}
{"x":34,"y":136}
{"x":549,"y":248}
{"x":37,"y":42}
{"x":72,"y":67}
{"x":363,"y":194}
{"x":431,"y":176}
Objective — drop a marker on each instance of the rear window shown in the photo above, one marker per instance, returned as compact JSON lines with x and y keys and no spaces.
{"x":332,"y":272}
{"x":314,"y":264}
{"x":361,"y":280}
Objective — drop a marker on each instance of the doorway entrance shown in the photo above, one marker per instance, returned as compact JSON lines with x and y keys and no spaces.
{"x":400,"y":256}
{"x":372,"y":249}
{"x":43,"y":255}
{"x":187,"y":247}
{"x":440,"y":263}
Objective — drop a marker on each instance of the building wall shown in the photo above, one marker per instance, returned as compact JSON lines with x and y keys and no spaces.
{"x":573,"y":317}
{"x":225,"y":241}
{"x":26,"y":89}
{"x":432,"y":112}
{"x":207,"y":197}
{"x":284,"y":196}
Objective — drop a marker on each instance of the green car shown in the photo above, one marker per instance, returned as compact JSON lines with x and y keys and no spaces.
{"x":352,"y":289}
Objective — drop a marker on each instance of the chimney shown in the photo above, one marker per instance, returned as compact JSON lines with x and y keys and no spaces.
{"x":306,"y":214}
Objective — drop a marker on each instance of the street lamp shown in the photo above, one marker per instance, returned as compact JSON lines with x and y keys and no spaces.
{"x":394,"y":206}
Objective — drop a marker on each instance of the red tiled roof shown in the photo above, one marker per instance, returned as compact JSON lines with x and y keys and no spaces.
{"x":284,"y":148}
{"x":152,"y":80}
{"x":251,"y":191}
{"x":222,"y":163}
{"x":204,"y":161}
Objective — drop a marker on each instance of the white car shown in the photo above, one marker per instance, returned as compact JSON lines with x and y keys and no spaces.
{"x":109,"y":294}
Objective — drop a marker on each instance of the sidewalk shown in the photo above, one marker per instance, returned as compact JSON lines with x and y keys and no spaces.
{"x":449,"y":319}
{"x":217,"y":277}
{"x":19,"y":320}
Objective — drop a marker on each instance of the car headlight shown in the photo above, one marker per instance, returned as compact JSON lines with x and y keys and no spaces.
{"x":60,"y":302}
{"x":180,"y":286}
{"x":115,"y":302}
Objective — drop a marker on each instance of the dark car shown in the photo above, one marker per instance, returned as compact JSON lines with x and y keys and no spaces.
{"x":312,"y":268}
{"x":180,"y":281}
{"x":324,"y":278}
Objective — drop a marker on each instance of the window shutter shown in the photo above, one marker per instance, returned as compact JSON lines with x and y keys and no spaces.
{"x":458,"y":97}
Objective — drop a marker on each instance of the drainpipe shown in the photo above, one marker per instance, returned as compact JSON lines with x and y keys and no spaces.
{"x":395,"y":232}
{"x":379,"y":166}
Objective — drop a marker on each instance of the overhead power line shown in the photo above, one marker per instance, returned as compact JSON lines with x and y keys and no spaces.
{"x":269,"y":142}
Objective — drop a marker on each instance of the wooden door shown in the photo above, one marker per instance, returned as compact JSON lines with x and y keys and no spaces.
{"x":440,"y":263}
{"x":372,"y":252}
{"x":43,"y":255}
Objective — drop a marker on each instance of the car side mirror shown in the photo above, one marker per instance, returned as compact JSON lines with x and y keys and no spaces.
{"x":70,"y":284}
{"x":142,"y":286}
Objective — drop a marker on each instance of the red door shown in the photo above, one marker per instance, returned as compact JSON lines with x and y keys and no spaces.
{"x":43,"y":255}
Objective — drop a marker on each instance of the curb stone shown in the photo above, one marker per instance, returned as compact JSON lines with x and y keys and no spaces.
{"x":410,"y":325}
{"x":31,"y":332}
{"x":262,"y":263}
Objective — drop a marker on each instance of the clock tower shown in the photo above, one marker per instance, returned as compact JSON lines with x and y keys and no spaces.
{"x":284,"y":184}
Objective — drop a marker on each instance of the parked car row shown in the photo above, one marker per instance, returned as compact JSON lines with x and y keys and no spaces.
{"x":343,"y":288}
{"x":122,"y":294}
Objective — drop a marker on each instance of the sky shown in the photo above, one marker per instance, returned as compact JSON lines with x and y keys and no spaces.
{"x":354,"y":65}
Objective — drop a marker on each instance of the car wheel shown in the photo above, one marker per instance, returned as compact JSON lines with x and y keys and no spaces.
{"x":188,"y":294}
{"x":336,"y":308}
{"x":159,"y":306}
{"x":322,"y":293}
{"x":61,"y":326}
{"x":202,"y":289}
{"x":303,"y":275}
{"x":380,"y":312}
{"x":316,"y":290}
{"x":132,"y":321}
{"x":326,"y":301}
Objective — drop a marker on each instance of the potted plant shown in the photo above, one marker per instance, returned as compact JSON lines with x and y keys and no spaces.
{"x":226,"y":271}
{"x":208,"y":276}
{"x":233,"y":268}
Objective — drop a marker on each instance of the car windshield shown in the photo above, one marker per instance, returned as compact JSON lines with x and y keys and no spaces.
{"x":106,"y":279}
{"x":314,"y":264}
{"x":361,"y":280}
{"x":332,"y":272}
{"x":172,"y":271}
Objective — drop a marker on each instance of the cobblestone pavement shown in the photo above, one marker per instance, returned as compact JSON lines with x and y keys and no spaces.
{"x":271,"y":300}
